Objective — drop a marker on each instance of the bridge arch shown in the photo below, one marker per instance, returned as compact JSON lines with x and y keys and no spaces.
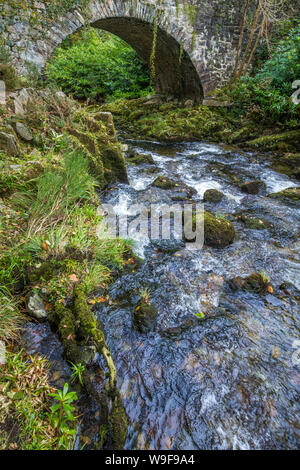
{"x":195,"y":42}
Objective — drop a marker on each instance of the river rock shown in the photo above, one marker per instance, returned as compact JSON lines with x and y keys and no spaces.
{"x":36,"y":307}
{"x":253,"y":187}
{"x":168,"y":246}
{"x":256,"y":283}
{"x":9,"y":144}
{"x":213,"y":195}
{"x":254,"y":223}
{"x":290,"y":194}
{"x":23,"y":132}
{"x":138,"y":159}
{"x":144,"y":316}
{"x":163,"y":182}
{"x":218,"y":231}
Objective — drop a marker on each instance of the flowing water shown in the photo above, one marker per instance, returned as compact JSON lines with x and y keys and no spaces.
{"x":232,"y":380}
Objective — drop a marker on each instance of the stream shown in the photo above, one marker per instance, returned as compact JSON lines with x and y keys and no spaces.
{"x":232,"y":379}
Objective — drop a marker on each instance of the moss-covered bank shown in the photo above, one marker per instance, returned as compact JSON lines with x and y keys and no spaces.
{"x":54,"y":245}
{"x":161,"y":119}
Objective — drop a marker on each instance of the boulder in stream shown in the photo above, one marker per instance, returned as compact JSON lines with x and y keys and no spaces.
{"x":253,"y":187}
{"x":144,"y":316}
{"x":290,"y":194}
{"x":218,"y":231}
{"x":139,"y":159}
{"x":213,"y":195}
{"x":257,"y":283}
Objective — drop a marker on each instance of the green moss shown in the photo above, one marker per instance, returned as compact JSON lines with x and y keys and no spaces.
{"x":168,"y":121}
{"x":118,"y":423}
{"x":288,"y":164}
{"x":67,"y":331}
{"x":163,"y":182}
{"x":257,"y":283}
{"x":45,"y":271}
{"x":213,"y":195}
{"x":86,"y":319}
{"x":114,"y":164}
{"x":254,"y":222}
{"x":291,"y":194}
{"x":290,"y":139}
{"x":139,"y":159}
{"x":218,"y":232}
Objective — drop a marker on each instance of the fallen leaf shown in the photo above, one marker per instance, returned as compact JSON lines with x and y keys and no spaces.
{"x":270,"y":289}
{"x":73,"y":278}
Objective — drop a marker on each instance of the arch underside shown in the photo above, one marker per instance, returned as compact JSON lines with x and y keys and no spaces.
{"x":175,"y":73}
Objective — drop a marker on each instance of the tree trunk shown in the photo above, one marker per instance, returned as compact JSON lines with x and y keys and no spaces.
{"x":261,"y":31}
{"x":241,"y":38}
{"x":253,"y":29}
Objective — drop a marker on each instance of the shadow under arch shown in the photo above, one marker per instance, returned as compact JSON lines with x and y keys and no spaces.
{"x":175,"y":74}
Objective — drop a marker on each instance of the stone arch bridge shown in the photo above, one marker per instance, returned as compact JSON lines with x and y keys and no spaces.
{"x":196,"y":39}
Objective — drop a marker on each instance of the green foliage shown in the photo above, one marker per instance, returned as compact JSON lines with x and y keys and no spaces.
{"x":268,"y":93}
{"x":200,"y":316}
{"x":78,"y":370}
{"x":58,"y":190}
{"x":96,"y":65}
{"x":62,"y":416}
{"x":25,"y":406}
{"x":10,"y":317}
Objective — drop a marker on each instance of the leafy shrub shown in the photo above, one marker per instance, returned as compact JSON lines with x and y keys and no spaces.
{"x":268,"y":93}
{"x":95,"y":65}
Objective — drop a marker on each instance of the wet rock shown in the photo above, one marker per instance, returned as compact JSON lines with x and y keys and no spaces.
{"x":168,"y":246}
{"x":213,"y":195}
{"x":254,"y":223}
{"x":253,"y":187}
{"x":144,"y":316}
{"x":114,"y":164}
{"x":289,"y":289}
{"x":36,"y":307}
{"x":257,"y":283}
{"x":86,"y":354}
{"x":163,"y":182}
{"x":188,"y":323}
{"x":9,"y":144}
{"x":289,"y":194}
{"x":23,"y":132}
{"x":288,"y":164}
{"x":139,"y":159}
{"x":152,"y":170}
{"x":218,"y":232}
{"x":181,"y":191}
